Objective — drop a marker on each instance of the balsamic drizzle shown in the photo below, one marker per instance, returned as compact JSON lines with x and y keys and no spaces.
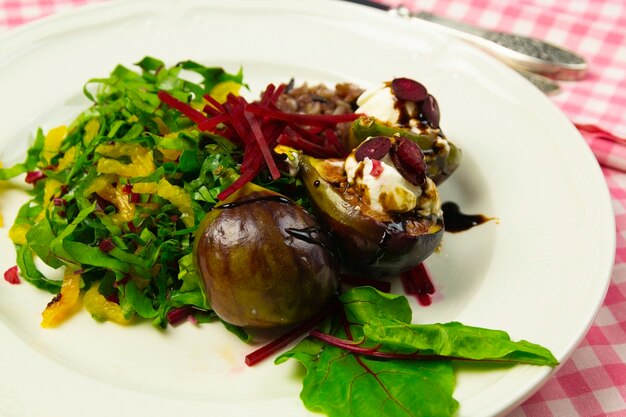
{"x":456,"y":221}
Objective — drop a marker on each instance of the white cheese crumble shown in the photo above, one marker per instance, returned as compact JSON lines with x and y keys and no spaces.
{"x":379,"y":102}
{"x":385,"y":190}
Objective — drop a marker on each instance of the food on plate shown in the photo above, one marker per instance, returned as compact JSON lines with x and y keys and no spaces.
{"x":383,"y":211}
{"x":264,"y":260}
{"x":404,"y":107}
{"x":170,"y":199}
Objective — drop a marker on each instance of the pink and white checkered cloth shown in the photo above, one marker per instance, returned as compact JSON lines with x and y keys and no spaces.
{"x":593,"y":382}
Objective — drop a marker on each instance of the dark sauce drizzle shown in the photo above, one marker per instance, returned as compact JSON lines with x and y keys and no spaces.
{"x":275,"y":198}
{"x":310,"y":235}
{"x":456,"y":221}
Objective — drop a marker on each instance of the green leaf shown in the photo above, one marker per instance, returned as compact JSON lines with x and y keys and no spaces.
{"x":29,"y":271}
{"x":455,"y":340}
{"x":39,"y":237}
{"x":142,"y":304}
{"x":363,"y":304}
{"x":88,"y":255}
{"x":57,"y":244}
{"x":341,"y":384}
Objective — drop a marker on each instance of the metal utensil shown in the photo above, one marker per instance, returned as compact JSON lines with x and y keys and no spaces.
{"x":520,"y":52}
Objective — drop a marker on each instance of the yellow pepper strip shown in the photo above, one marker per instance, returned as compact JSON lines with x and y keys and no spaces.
{"x":67,"y":159}
{"x":170,"y":154}
{"x":221,"y":90}
{"x":91,"y":130}
{"x":52,"y":142}
{"x":66,"y":303}
{"x":98,"y":306}
{"x":99,"y":183}
{"x":17,"y":233}
{"x":179,"y":198}
{"x":117,"y":197}
{"x":145,"y":187}
{"x":52,"y":189}
{"x":103,"y":186}
{"x":142,"y":162}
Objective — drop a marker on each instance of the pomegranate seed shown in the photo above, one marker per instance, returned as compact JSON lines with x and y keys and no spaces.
{"x":11,"y":275}
{"x":33,"y":176}
{"x":106,"y":245}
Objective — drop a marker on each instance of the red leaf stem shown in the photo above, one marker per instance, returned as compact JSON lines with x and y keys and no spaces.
{"x":290,"y":336}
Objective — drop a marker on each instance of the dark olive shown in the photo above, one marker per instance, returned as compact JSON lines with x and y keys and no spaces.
{"x":369,"y":243}
{"x":264,"y":260}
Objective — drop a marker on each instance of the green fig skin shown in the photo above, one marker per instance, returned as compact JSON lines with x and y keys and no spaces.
{"x":264,"y":261}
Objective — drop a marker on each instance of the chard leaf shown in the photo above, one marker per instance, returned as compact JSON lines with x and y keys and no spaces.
{"x":89,"y":255}
{"x":29,"y":271}
{"x":454,"y":340}
{"x":138,"y":300}
{"x":363,"y":304}
{"x":39,"y":237}
{"x":341,"y":384}
{"x":57,"y":244}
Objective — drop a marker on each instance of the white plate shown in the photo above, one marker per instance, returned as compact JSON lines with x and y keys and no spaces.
{"x":540,"y":273}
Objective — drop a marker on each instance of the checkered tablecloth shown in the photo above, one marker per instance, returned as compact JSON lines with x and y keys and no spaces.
{"x":593,"y":382}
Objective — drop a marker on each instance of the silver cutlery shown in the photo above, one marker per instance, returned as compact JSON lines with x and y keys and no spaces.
{"x":538,"y":61}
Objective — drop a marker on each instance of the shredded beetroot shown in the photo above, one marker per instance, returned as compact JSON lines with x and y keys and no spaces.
{"x":106,"y":245}
{"x":179,"y":314}
{"x":12,"y":276}
{"x":293,"y":334}
{"x":417,"y":282}
{"x":259,"y":126}
{"x":33,"y":176}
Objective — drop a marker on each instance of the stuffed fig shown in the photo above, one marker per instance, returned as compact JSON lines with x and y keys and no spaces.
{"x":264,"y":260}
{"x":404,"y":107}
{"x":382,"y":210}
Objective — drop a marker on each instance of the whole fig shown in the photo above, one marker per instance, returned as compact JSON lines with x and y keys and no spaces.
{"x":264,"y":260}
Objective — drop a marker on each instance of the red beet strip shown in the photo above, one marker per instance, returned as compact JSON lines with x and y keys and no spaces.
{"x":293,"y":334}
{"x":255,"y":127}
{"x":193,"y":114}
{"x":258,"y":127}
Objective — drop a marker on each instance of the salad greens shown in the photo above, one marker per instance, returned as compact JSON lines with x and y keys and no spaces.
{"x":372,"y":361}
{"x":118,"y":193}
